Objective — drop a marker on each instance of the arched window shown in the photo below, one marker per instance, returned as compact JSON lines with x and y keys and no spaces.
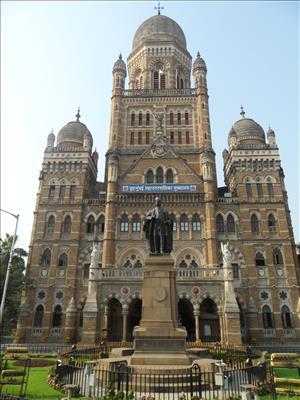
{"x":179,"y":118}
{"x":162,"y":81}
{"x":141,"y":82}
{"x":149,"y":176}
{"x":155,"y":80}
{"x":159,"y":175}
{"x":46,"y":258}
{"x":124,"y":223}
{"x":57,"y":317}
{"x":270,"y":189}
{"x":286,"y":317}
{"x":183,"y":264}
{"x":171,"y":118}
{"x":181,"y":83}
{"x":136,"y":223}
{"x":271,"y":223}
{"x":186,"y":118}
{"x":62,"y":191}
{"x":50,"y":225}
{"x":196,"y":225}
{"x":169,"y":176}
{"x":267,"y":317}
{"x":220,"y":223}
{"x":38,"y":317}
{"x":173,"y":218}
{"x":51,"y":192}
{"x":184,"y":223}
{"x":132,"y":119}
{"x":63,"y":260}
{"x":230,"y":224}
{"x":259,"y":189}
{"x":254,"y":224}
{"x":148,"y":118}
{"x":101,"y":224}
{"x":259,"y":259}
{"x":67,"y":224}
{"x":277,"y":257}
{"x":72,"y":191}
{"x":90,"y":225}
{"x":140,"y":118}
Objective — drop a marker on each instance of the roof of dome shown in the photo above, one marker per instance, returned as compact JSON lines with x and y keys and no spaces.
{"x":119,"y":64}
{"x":247,"y":128}
{"x":74,"y":132}
{"x":159,"y":28}
{"x":199,"y":62}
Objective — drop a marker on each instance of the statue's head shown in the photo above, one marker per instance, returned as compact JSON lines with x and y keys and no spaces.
{"x":157,"y":201}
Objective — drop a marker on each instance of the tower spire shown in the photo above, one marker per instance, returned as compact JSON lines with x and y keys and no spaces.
{"x":78,"y":115}
{"x":158,"y":8}
{"x":242,"y":113}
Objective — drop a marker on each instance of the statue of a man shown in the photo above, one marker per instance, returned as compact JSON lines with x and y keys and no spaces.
{"x":158,"y":227}
{"x":226,"y":252}
{"x":159,"y":119}
{"x":95,"y":255}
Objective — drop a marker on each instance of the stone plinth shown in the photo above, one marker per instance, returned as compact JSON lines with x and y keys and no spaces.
{"x":159,"y":340}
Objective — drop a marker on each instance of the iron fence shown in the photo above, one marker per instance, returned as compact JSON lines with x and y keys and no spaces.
{"x":173,"y":384}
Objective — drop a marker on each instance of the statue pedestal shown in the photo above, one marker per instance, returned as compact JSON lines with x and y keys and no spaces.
{"x":159,"y":340}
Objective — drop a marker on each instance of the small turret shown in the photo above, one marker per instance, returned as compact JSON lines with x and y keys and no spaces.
{"x":199,"y":71}
{"x":119,"y":73}
{"x":271,"y":136}
{"x":87,"y":142}
{"x":51,"y":139}
{"x":95,"y":157}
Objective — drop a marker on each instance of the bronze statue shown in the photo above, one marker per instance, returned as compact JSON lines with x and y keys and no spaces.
{"x":158,"y":227}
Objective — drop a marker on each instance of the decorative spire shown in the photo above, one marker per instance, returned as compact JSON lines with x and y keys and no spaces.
{"x":78,"y":115}
{"x":120,"y":56}
{"x":198,"y":53}
{"x":158,"y":8}
{"x":52,"y":133}
{"x":242,"y":113}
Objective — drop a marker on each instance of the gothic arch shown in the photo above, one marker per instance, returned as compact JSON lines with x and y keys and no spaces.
{"x":200,"y":259}
{"x":125,"y":254}
{"x":91,"y":213}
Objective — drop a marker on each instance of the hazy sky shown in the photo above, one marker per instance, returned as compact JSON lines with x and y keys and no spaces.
{"x":58,"y":55}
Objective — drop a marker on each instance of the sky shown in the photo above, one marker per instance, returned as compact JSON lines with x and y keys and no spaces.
{"x":58,"y":55}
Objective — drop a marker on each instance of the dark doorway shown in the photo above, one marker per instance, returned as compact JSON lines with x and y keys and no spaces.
{"x":209,"y":321}
{"x":114,"y":320}
{"x":134,"y":316}
{"x":186,"y":318}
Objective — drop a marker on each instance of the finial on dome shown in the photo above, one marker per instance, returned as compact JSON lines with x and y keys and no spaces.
{"x":158,"y":8}
{"x":242,"y":113}
{"x":78,"y":115}
{"x":120,"y":56}
{"x":198,"y":53}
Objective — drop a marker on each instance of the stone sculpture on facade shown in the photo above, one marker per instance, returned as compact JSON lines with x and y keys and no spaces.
{"x":158,"y":227}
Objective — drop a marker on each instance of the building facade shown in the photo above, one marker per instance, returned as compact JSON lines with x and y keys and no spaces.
{"x":160,"y":143}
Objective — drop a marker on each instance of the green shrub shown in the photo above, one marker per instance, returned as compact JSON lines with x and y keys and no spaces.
{"x":16,"y":350}
{"x":112,"y":394}
{"x":12,"y":373}
{"x":104,"y":354}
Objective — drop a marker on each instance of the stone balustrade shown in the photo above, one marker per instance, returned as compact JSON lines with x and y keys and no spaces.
{"x":159,"y":92}
{"x":182,"y":274}
{"x":269,"y":332}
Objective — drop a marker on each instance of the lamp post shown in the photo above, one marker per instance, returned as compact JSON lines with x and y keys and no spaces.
{"x":9,"y":264}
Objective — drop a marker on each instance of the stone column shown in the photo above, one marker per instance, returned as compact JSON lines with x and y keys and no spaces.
{"x":124,"y":314}
{"x":197,"y":321}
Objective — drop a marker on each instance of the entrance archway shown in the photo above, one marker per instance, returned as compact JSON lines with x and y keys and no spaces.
{"x":186,"y":317}
{"x":134,"y":316}
{"x":209,"y":321}
{"x":114,"y":320}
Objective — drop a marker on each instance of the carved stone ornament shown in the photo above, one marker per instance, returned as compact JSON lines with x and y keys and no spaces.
{"x":160,"y":294}
{"x":159,"y":149}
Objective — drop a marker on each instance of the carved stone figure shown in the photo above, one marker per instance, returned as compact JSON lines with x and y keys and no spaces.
{"x":95,"y":255}
{"x":158,"y":227}
{"x":227,"y":254}
{"x":159,"y":120}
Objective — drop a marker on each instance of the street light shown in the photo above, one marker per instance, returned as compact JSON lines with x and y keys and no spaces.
{"x":9,"y":264}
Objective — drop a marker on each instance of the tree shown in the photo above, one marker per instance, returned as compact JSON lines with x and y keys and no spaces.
{"x":15,"y":283}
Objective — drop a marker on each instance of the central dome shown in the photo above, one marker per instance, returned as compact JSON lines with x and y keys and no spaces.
{"x":159,"y":28}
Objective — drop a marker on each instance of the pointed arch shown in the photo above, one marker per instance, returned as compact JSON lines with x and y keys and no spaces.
{"x":50,"y":225}
{"x":90,"y":225}
{"x":159,"y":175}
{"x":124,"y":224}
{"x":259,"y":259}
{"x":271,"y":223}
{"x":169,"y":176}
{"x":254,"y":224}
{"x":277,"y":257}
{"x":149,"y":178}
{"x":220,"y":223}
{"x":230,"y":223}
{"x":286,"y":318}
{"x":38,"y":316}
{"x":46,"y":258}
{"x":67,"y":225}
{"x":63,"y":260}
{"x":267,"y":317}
{"x":57,"y":316}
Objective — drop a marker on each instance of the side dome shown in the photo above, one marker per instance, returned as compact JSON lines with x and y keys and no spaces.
{"x":72,"y":134}
{"x":246,"y":130}
{"x":119,"y":65}
{"x":159,"y":28}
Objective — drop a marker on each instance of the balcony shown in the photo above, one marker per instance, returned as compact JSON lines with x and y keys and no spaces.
{"x":159,"y":92}
{"x":36,"y":331}
{"x":166,"y":198}
{"x":289,"y":332}
{"x":269,"y":332}
{"x":227,"y":200}
{"x":182,"y":274}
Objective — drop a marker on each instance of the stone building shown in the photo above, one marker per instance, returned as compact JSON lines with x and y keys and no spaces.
{"x":160,"y":142}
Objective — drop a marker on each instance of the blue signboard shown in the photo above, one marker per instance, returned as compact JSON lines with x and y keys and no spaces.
{"x":159,"y":187}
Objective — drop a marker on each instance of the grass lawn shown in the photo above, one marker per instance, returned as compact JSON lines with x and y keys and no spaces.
{"x":287,"y":373}
{"x":37,"y":387}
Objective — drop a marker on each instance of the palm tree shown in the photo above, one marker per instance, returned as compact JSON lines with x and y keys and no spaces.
{"x":15,"y":283}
